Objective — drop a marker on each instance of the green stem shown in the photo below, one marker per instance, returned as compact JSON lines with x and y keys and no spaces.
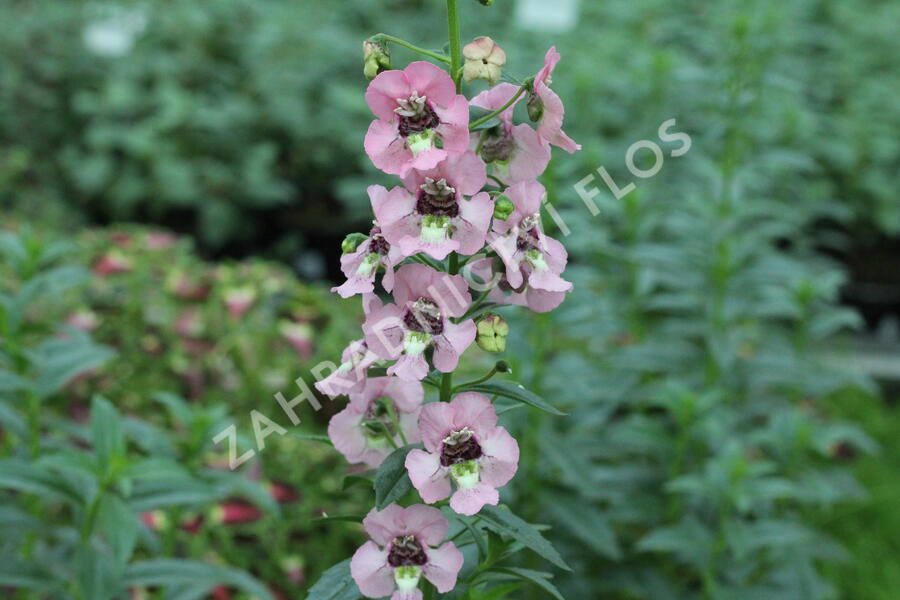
{"x":392,"y":413}
{"x":455,"y":53}
{"x":493,"y":114}
{"x":446,"y":386}
{"x":478,"y":302}
{"x":498,"y":182}
{"x":395,"y":40}
{"x":490,"y":374}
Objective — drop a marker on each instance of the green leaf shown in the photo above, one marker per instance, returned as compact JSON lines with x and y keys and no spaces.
{"x":119,"y":525}
{"x":106,"y":432}
{"x":169,"y":572}
{"x":313,"y":437}
{"x":35,"y":479}
{"x":353,"y":480}
{"x":504,"y":522}
{"x":513,"y":391}
{"x":19,"y":574}
{"x":539,"y":578}
{"x":61,"y":360}
{"x":335,"y":584}
{"x":392,"y":481}
{"x":587,"y":523}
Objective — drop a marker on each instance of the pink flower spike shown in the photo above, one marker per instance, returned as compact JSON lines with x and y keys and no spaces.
{"x":548,"y":106}
{"x":420,"y":119}
{"x":404,"y":547}
{"x":426,"y":301}
{"x":514,"y":153}
{"x":358,"y":431}
{"x":434,"y":214}
{"x":463,"y":444}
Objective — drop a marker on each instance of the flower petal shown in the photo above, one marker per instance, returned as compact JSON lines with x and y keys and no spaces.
{"x":428,"y":476}
{"x":443,"y":566}
{"x":501,"y":457}
{"x":370,"y":570}
{"x":469,"y":501}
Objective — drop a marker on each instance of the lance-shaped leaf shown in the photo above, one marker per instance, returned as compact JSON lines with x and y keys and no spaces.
{"x":506,"y":523}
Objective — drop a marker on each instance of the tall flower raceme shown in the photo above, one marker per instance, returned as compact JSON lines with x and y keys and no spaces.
{"x":465,"y":210}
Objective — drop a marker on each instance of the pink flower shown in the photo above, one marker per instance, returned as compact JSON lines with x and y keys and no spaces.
{"x":545,"y":107}
{"x":462,"y":443}
{"x":434,"y":216}
{"x":421,"y":119}
{"x":350,"y":376}
{"x":361,"y":266}
{"x":239,"y":300}
{"x":514,"y":152}
{"x":425,"y":302}
{"x":404,"y":547}
{"x":114,"y":261}
{"x":358,"y":431}
{"x":532,"y":260}
{"x":299,"y":336}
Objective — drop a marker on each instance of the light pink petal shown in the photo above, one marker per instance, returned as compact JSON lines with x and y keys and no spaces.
{"x":427,"y":523}
{"x":465,"y":172}
{"x":501,"y":457}
{"x":355,"y":285}
{"x":370,"y":570}
{"x":402,"y":233}
{"x":476,"y":214}
{"x":431,"y":81}
{"x":384,"y":525}
{"x":427,"y":159}
{"x":386,"y":148}
{"x":409,"y":423}
{"x":529,"y":159}
{"x":383,"y":91}
{"x":407,"y":395}
{"x":345,"y":432}
{"x":428,"y":476}
{"x":449,"y":292}
{"x":383,"y":332}
{"x":410,"y":368}
{"x":410,"y":245}
{"x":451,"y":344}
{"x":435,"y":422}
{"x":548,"y":281}
{"x":414,"y":594}
{"x":527,"y":197}
{"x":506,"y":247}
{"x":475,"y":411}
{"x":561,"y":140}
{"x":390,"y":206}
{"x":551,"y":58}
{"x":470,"y":501}
{"x":496,"y":97}
{"x":443,"y":566}
{"x":539,"y":301}
{"x":550,"y":125}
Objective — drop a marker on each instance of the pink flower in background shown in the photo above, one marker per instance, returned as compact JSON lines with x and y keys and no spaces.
{"x":114,"y":261}
{"x":358,"y":431}
{"x":514,"y":152}
{"x":350,"y":376}
{"x":433,"y":215}
{"x":83,"y":320}
{"x":299,"y":336}
{"x":420,"y":118}
{"x":532,"y":260}
{"x":464,"y":444}
{"x":159,"y":240}
{"x":425,"y":302}
{"x":545,"y":107}
{"x":361,"y":265}
{"x":403,"y":548}
{"x":239,"y":300}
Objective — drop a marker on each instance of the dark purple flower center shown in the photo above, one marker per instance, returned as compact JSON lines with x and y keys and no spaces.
{"x":406,"y":551}
{"x":377,"y":243}
{"x":415,"y":115}
{"x":460,"y":446}
{"x":437,"y":197}
{"x":497,"y":144}
{"x":529,"y":235}
{"x":424,"y":316}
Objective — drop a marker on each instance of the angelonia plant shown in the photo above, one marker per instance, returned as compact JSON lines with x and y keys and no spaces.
{"x":458,"y":235}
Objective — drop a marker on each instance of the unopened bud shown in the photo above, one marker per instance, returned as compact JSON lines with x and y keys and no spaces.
{"x":484,"y":60}
{"x":352,"y":242}
{"x":535,"y":107}
{"x":376,"y":57}
{"x":492,"y":332}
{"x":485,"y":2}
{"x":502,"y":366}
{"x":503,"y":207}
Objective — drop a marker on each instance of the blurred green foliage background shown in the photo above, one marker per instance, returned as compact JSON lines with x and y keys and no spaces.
{"x":712,"y":451}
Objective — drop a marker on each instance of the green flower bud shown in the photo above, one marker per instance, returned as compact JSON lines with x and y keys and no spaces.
{"x":502,"y":366}
{"x":492,"y":332}
{"x":485,"y":2}
{"x":503,"y":207}
{"x":376,"y":57}
{"x":535,"y":107}
{"x":352,"y":242}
